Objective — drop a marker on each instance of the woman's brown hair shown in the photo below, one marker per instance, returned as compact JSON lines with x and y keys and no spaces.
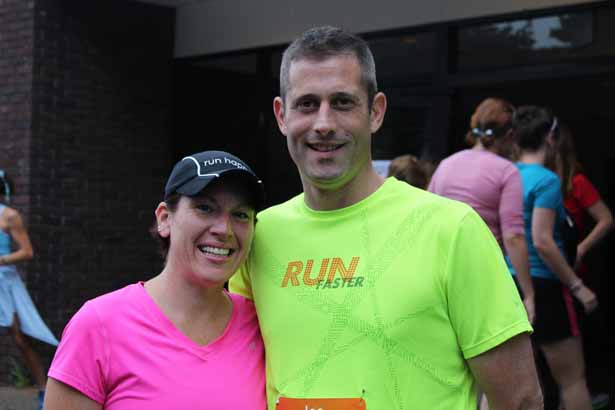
{"x":564,"y":161}
{"x":410,"y":169}
{"x":492,"y":119}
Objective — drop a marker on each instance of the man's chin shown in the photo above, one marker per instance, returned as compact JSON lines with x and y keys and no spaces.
{"x":327,"y":180}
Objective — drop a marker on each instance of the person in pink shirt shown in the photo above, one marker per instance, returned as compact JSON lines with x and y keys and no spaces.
{"x":485,"y":179}
{"x":179,"y":340}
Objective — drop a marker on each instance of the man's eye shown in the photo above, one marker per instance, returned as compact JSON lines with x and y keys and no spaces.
{"x":306,"y":105}
{"x":344,"y":103}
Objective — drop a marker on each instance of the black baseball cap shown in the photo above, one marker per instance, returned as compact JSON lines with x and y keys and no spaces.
{"x":193,"y":173}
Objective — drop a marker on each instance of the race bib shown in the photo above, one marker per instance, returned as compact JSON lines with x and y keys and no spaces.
{"x":286,"y":403}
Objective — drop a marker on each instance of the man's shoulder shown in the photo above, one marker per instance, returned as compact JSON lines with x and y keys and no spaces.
{"x":393,"y":196}
{"x":281,"y":210}
{"x":415,"y":198}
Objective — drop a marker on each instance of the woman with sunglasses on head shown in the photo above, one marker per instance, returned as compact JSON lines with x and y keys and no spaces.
{"x":485,"y":179}
{"x":179,"y":340}
{"x":17,"y":311}
{"x":555,"y":327}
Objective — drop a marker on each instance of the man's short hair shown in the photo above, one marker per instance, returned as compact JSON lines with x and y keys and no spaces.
{"x":320,"y":43}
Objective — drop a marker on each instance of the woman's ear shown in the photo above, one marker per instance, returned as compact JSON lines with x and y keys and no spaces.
{"x":163,"y":219}
{"x":550,"y":139}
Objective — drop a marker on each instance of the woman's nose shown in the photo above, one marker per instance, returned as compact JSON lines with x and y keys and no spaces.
{"x":222,"y":225}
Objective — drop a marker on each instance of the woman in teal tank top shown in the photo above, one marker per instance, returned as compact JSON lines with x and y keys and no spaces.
{"x":556,"y":330}
{"x":17,"y":312}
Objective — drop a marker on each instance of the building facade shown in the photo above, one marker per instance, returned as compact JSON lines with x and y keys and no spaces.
{"x":85,"y":131}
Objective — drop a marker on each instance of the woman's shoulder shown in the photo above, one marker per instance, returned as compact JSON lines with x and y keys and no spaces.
{"x":580,"y":179}
{"x":538,"y":173}
{"x":241,"y":301}
{"x":244,"y":306}
{"x":112,"y":303}
{"x":6,"y":212}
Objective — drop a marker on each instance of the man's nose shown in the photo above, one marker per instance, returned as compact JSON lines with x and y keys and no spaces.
{"x":325,"y":121}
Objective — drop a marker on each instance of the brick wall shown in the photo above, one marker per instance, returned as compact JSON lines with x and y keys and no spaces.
{"x":16,"y":58}
{"x":98,"y":149}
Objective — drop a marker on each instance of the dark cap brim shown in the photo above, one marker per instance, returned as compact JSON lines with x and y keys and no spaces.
{"x":198,"y":184}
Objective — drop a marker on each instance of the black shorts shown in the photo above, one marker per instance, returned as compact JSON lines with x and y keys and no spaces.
{"x":557,"y":312}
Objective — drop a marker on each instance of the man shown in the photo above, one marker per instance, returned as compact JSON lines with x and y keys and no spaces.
{"x":371,"y":293}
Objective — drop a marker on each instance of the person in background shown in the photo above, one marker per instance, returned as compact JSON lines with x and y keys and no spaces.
{"x":581,"y":199}
{"x":556,"y":330}
{"x":593,"y":221}
{"x":17,"y":311}
{"x":179,"y":340}
{"x":371,"y":293}
{"x":485,"y":179}
{"x":410,"y":169}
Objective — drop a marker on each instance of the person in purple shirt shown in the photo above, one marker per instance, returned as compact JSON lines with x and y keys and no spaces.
{"x":485,"y":179}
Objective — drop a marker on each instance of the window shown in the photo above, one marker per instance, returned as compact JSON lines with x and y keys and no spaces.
{"x":400,"y":59}
{"x":549,"y":39}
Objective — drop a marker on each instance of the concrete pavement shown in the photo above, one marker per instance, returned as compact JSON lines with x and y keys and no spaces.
{"x":12,"y":398}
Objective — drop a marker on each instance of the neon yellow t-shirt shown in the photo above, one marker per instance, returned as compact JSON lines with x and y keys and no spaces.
{"x":383,"y":300}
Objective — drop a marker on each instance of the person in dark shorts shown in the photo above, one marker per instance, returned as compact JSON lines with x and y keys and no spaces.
{"x":556,"y":330}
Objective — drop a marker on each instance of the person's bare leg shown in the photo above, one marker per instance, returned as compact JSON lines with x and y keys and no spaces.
{"x":565,"y":359}
{"x":31,"y":358}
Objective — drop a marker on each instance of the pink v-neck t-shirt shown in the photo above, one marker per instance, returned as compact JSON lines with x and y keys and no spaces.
{"x":121,"y":351}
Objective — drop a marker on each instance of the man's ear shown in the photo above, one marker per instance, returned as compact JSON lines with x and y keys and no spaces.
{"x":279,"y":112}
{"x":378,"y":109}
{"x":162,"y":219}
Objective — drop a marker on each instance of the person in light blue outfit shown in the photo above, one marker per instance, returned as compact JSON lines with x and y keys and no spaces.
{"x":558,"y":290}
{"x":541,"y":189}
{"x":17,"y":311}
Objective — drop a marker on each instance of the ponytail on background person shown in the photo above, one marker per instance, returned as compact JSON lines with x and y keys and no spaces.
{"x":490,"y":124}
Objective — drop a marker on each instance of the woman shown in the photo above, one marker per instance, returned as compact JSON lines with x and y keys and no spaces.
{"x":486,"y":180}
{"x":16,"y":308}
{"x":179,"y":340}
{"x":581,"y":199}
{"x":593,"y":221}
{"x":555,"y":327}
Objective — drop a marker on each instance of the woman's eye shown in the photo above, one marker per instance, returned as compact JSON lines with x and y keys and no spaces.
{"x":204,"y":208}
{"x":244,"y":216}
